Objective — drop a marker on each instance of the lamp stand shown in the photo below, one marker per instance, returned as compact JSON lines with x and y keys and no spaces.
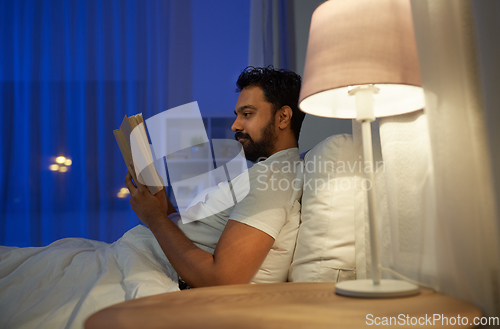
{"x":375,"y":288}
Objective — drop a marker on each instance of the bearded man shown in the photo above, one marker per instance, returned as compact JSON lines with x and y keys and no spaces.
{"x":252,"y":241}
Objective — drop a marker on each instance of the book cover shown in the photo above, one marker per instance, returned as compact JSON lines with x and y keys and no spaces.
{"x":132,"y":132}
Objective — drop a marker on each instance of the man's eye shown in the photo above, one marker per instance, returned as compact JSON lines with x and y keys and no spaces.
{"x":247,"y":114}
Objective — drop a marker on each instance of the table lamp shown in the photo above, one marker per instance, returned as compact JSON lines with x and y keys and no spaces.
{"x":361,"y":64}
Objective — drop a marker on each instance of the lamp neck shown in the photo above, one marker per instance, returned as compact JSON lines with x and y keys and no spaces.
{"x":364,"y":102}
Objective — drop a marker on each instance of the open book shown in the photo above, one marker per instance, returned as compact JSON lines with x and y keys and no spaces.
{"x":132,"y":139}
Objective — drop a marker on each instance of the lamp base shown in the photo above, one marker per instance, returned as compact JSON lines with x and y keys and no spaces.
{"x":366,"y":289}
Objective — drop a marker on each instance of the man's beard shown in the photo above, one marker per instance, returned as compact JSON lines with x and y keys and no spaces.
{"x":255,"y":151}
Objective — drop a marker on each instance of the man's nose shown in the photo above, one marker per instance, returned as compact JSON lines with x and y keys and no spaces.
{"x":236,"y":125}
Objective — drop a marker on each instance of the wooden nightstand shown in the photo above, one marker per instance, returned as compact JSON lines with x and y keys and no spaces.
{"x":280,"y":305}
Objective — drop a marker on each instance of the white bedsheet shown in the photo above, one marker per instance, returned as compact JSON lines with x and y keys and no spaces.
{"x":60,"y":285}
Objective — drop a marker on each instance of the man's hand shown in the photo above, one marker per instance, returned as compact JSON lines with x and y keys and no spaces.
{"x":149,"y":208}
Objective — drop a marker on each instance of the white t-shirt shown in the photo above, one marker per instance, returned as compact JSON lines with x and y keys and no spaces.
{"x":272,"y":206}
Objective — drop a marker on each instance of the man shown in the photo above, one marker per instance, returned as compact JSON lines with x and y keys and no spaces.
{"x":231,"y":246}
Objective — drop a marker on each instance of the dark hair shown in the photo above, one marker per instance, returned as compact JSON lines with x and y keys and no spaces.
{"x":280,"y":87}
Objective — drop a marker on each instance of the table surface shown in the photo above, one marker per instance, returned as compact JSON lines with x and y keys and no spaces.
{"x":276,"y":305}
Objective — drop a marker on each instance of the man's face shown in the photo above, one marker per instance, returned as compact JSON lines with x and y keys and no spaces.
{"x":254,"y":124}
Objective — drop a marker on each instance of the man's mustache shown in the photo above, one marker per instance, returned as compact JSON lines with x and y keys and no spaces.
{"x":242,"y":135}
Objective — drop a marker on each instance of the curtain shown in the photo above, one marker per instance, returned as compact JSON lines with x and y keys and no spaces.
{"x":69,"y":72}
{"x":466,"y":227}
{"x":272,"y":34}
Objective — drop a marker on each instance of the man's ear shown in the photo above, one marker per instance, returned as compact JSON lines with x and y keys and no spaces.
{"x":285,"y":117}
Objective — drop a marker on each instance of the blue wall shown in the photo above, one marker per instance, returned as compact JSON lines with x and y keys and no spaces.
{"x":220,"y":52}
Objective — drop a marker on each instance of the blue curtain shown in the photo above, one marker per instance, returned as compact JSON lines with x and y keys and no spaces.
{"x":272,"y":34}
{"x":69,"y":72}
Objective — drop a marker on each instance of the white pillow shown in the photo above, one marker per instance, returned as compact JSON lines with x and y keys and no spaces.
{"x":325,"y":243}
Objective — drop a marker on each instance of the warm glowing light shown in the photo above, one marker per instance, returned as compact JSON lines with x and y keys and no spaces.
{"x":123,"y":192}
{"x":60,"y":159}
{"x":68,"y":162}
{"x":54,"y":167}
{"x":63,"y":169}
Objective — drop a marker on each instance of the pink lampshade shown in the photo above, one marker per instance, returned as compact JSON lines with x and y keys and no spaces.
{"x":360,"y":42}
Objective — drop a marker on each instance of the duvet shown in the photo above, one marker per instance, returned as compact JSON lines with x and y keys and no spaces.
{"x":60,"y":285}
